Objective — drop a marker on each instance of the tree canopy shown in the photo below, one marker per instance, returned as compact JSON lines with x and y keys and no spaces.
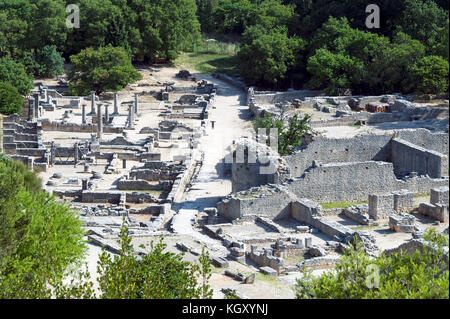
{"x":102,"y":69}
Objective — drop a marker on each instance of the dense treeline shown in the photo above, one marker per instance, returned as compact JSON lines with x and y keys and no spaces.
{"x":321,"y":44}
{"x":325,"y":44}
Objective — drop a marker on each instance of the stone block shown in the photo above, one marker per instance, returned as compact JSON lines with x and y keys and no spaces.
{"x":381,"y":206}
{"x":220,"y":262}
{"x":439,"y":195}
{"x":403,"y":200}
{"x":268,"y":271}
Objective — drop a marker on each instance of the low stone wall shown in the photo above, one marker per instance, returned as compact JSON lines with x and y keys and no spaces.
{"x":48,"y":125}
{"x":273,"y":204}
{"x":140,"y":184}
{"x":180,"y":183}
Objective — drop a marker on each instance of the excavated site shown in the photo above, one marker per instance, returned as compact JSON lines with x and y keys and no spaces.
{"x":175,"y":155}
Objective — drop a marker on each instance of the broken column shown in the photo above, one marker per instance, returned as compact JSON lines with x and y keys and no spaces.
{"x":99,"y":122}
{"x":106,"y":114}
{"x":130,"y":117}
{"x":136,"y":103}
{"x":31,"y":163}
{"x":116,"y":103}
{"x":31,"y":109}
{"x":92,"y":103}
{"x":36,"y":105}
{"x":76,"y":155}
{"x":83,"y":114}
{"x":84,"y":184}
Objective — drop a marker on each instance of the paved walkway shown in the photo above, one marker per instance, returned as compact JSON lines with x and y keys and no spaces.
{"x":213,"y":182}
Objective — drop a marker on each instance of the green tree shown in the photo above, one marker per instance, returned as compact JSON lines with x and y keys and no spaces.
{"x":442,"y":47}
{"x":265,"y":56}
{"x":335,"y":73}
{"x":107,"y":68}
{"x":430,"y":75}
{"x":10,"y":99}
{"x":290,"y":134}
{"x":39,"y":238}
{"x":424,"y":274}
{"x":156,"y":275}
{"x":49,"y":61}
{"x":15,"y":74}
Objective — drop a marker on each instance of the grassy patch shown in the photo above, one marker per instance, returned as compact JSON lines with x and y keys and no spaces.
{"x":421,"y":195}
{"x":355,"y":125}
{"x":340,"y":204}
{"x":207,"y":63}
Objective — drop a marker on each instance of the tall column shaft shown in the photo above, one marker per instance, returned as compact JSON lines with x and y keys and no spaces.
{"x":99,"y":121}
{"x":116,"y":104}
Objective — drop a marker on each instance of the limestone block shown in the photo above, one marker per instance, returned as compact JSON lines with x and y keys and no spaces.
{"x":381,"y":206}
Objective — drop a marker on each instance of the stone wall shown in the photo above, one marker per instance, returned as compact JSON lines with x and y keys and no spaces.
{"x":360,"y":148}
{"x":408,"y":157}
{"x":268,"y":202}
{"x":338,"y":182}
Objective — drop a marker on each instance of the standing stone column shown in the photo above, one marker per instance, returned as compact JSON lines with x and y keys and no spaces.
{"x":136,"y":103}
{"x":76,"y":155}
{"x":83,"y":114}
{"x":99,"y":121}
{"x":116,"y":103}
{"x":92,"y":103}
{"x":130,"y":117}
{"x":31,"y":163}
{"x":52,"y":153}
{"x":45,"y":94}
{"x":31,"y":109}
{"x":36,"y":105}
{"x":106,"y":114}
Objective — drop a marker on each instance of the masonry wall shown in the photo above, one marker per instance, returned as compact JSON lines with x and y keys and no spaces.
{"x":407,"y":157}
{"x":367,"y":147}
{"x":273,"y":206}
{"x":327,"y":150}
{"x":337,"y":182}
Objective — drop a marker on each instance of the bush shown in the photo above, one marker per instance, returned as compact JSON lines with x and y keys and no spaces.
{"x":430,"y":75}
{"x":358,"y":276}
{"x":10,"y":100}
{"x":15,"y":74}
{"x":289,"y":135}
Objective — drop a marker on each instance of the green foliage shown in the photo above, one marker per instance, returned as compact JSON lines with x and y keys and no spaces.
{"x":10,"y":99}
{"x":156,"y":275}
{"x":49,"y":61}
{"x":431,"y":74}
{"x":39,"y":238}
{"x":265,"y":56}
{"x":334,"y":72}
{"x":419,"y":275}
{"x":107,"y":68}
{"x":289,"y":135}
{"x":15,"y":74}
